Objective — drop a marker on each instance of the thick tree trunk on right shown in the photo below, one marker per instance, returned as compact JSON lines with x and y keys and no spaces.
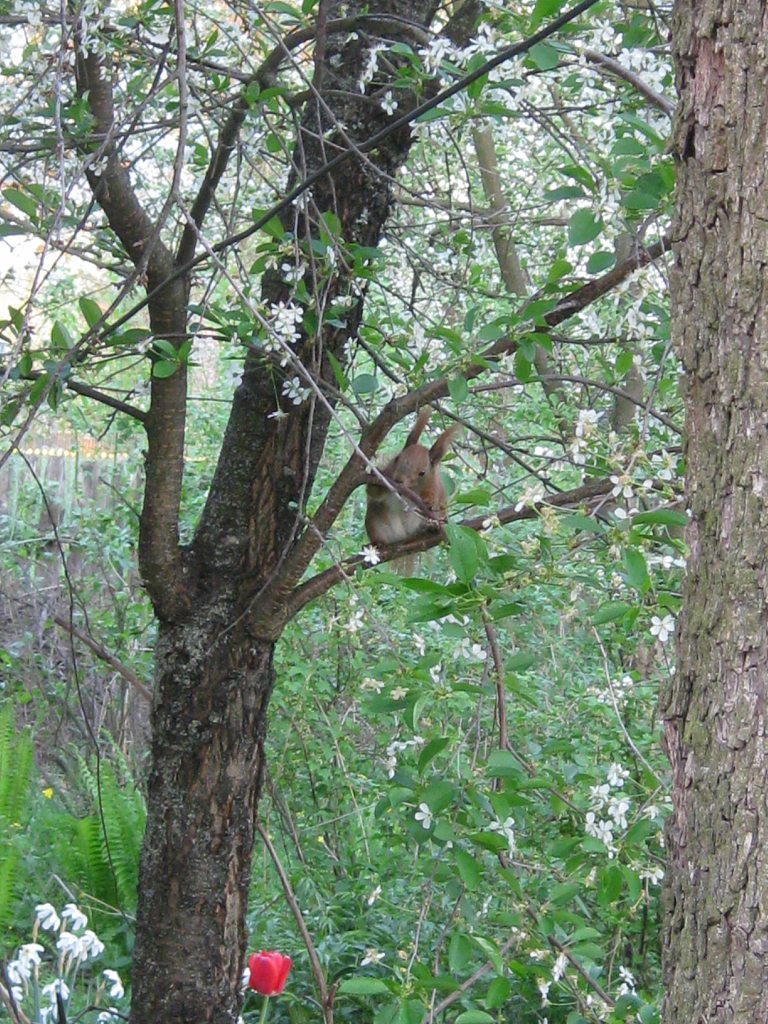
{"x":716,"y":940}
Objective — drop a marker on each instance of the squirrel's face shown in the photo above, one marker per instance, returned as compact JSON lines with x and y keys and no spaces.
{"x":411,"y":467}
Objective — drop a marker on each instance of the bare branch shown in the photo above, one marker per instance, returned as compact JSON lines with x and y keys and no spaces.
{"x":326,"y":995}
{"x":106,"y":656}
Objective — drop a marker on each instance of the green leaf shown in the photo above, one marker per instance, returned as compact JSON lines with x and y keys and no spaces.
{"x":520,"y":662}
{"x":623,"y":364}
{"x":364,"y":987}
{"x":599,"y":261}
{"x":439,"y":795}
{"x":501,"y":764}
{"x":458,"y":390}
{"x":90,"y":310}
{"x":464,"y":552}
{"x":583,"y":226}
{"x":459,"y":952}
{"x":498,"y":993}
{"x":431,"y":750}
{"x":610,"y":884}
{"x":636,"y":570}
{"x":364,"y":384}
{"x":522,"y":368}
{"x":433,"y":115}
{"x":544,"y":56}
{"x":469,"y":869}
{"x":610,"y":611}
{"x":22,"y":201}
{"x":164,"y":368}
{"x":662,"y":516}
{"x":545,"y":9}
{"x":475,"y":1017}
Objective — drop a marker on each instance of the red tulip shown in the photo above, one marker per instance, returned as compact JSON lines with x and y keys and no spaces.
{"x":268,"y":972}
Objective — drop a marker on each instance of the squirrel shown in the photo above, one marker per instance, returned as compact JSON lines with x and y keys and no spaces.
{"x":388,"y":519}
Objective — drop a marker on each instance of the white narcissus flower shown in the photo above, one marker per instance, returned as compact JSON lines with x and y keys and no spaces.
{"x":75,"y":915}
{"x":56,"y":986}
{"x":116,"y":990}
{"x":47,"y":916}
{"x":373,"y":896}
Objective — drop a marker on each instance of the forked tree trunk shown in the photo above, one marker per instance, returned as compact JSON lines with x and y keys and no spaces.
{"x":716,"y":938}
{"x":217,"y":630}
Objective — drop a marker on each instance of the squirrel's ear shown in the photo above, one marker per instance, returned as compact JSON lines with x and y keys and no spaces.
{"x":418,"y":426}
{"x":440,"y":448}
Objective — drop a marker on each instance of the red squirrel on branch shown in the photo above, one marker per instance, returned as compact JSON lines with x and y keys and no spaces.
{"x":389,"y":519}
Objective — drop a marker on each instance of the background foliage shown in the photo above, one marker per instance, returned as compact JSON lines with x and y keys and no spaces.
{"x":465,"y":789}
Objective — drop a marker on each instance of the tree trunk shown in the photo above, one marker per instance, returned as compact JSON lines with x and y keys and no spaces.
{"x":207,"y":760}
{"x":715,"y":945}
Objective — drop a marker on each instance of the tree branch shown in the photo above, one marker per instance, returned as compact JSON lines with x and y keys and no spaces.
{"x":353,"y":473}
{"x":88,"y":392}
{"x":616,"y":68}
{"x":159,"y":551}
{"x":104,"y":655}
{"x":317,"y":585}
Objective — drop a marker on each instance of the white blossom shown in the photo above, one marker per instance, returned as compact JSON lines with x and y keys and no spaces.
{"x":371,"y":555}
{"x":389,"y":103}
{"x":505,"y":828}
{"x":616,"y":775}
{"x":531,"y":496}
{"x":293,"y":389}
{"x":598,"y":795}
{"x":586,"y":422}
{"x":662,"y":628}
{"x":424,"y":815}
{"x":654,"y":875}
{"x":373,"y":895}
{"x":398,"y":692}
{"x":372,"y":956}
{"x":617,"y":809}
{"x":374,"y":685}
{"x":627,"y":981}
{"x":622,"y":486}
{"x":559,"y":967}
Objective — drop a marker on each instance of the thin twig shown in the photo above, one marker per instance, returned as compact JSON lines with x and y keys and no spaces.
{"x":326,"y":994}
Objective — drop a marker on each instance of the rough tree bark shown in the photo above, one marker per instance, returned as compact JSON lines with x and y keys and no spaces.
{"x":716,"y":940}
